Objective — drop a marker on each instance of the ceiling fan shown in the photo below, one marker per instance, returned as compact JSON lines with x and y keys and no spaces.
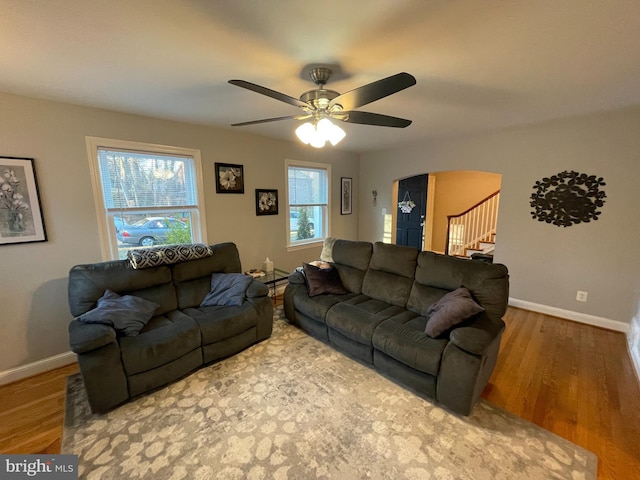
{"x":320,"y":105}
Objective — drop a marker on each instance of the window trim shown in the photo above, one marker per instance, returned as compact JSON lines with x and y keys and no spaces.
{"x":300,"y":245}
{"x":106,"y":231}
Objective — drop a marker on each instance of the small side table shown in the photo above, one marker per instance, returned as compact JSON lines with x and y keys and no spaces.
{"x":273,"y":279}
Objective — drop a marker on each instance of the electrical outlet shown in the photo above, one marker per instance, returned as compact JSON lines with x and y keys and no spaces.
{"x":581,"y":296}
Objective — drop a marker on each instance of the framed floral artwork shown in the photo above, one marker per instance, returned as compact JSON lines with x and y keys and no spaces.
{"x":21,"y":218}
{"x":266,"y":202}
{"x":346,"y":195}
{"x":229,"y":178}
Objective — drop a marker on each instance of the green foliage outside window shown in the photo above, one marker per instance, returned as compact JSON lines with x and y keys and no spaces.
{"x":177,"y":234}
{"x":304,"y":229}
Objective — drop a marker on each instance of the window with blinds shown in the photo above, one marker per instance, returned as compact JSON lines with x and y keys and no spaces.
{"x":148,"y":196}
{"x":307,"y":202}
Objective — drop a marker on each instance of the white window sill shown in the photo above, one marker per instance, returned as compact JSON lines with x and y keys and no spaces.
{"x":304,"y":246}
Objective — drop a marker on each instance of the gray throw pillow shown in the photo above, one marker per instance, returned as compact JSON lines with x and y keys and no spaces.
{"x":127,"y":314}
{"x":454,"y":308}
{"x":321,"y":281}
{"x":227,"y":289}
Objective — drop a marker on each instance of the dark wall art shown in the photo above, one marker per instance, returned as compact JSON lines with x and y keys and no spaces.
{"x":229,"y":178}
{"x":266,"y":201}
{"x":567,"y":198}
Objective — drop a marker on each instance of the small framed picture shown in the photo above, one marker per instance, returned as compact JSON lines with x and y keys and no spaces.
{"x":346,"y":195}
{"x":266,"y":202}
{"x":21,"y":218}
{"x":229,"y":178}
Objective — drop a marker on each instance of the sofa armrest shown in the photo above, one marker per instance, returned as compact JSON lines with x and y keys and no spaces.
{"x":84,"y":337}
{"x":478,"y":336}
{"x":257,"y":289}
{"x":296,"y":278}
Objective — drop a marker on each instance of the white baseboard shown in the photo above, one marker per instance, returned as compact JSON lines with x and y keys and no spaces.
{"x":571,"y":315}
{"x":34,"y":368}
{"x":632,"y":331}
{"x":633,"y":341}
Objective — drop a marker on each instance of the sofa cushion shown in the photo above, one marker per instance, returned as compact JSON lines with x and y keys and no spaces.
{"x":357,"y":317}
{"x":164,"y":339}
{"x":218,"y":323}
{"x":126,"y":314}
{"x":488,"y":283}
{"x":227,"y":289}
{"x":390,"y":274}
{"x":192,"y":279}
{"x":314,"y":307}
{"x":402,"y":337}
{"x":87,"y":283}
{"x":352,"y":260}
{"x":452,"y":309}
{"x":323,"y":281}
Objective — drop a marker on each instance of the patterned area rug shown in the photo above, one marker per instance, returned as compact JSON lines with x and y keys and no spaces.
{"x":292,"y":407}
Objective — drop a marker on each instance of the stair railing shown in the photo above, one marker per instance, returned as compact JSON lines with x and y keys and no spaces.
{"x":476,"y":224}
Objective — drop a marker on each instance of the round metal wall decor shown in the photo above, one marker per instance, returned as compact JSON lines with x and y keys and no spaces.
{"x":567,"y":198}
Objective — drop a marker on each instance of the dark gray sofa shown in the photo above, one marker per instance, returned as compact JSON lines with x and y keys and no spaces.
{"x":382,"y":320}
{"x":181,"y":336}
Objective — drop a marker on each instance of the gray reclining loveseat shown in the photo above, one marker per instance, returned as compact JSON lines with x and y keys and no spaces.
{"x":382,"y":320}
{"x":180,"y":337}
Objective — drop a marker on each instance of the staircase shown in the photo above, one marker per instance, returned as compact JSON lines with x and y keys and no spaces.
{"x":472,"y":232}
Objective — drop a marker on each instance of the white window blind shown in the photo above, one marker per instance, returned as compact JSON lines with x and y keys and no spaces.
{"x":135,"y":179}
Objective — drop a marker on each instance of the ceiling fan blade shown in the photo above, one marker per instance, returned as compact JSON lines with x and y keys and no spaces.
{"x":374,"y":91}
{"x":367,"y":118}
{"x":276,"y":119}
{"x":269,"y":93}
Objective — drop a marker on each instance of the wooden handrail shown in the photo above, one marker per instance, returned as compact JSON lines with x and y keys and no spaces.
{"x":475,"y":206}
{"x":480,"y":230}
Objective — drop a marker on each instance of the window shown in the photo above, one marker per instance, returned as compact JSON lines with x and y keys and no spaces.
{"x":145,"y":195}
{"x":307,"y":202}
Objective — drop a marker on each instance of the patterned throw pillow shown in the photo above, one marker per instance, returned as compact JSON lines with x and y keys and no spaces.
{"x":155,"y":256}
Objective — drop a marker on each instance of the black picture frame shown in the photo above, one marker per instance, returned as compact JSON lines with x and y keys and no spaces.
{"x":266,"y":201}
{"x":346,"y":195}
{"x":21,"y":219}
{"x":229,"y":178}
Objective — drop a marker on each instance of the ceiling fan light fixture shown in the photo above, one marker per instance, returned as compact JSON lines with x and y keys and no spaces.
{"x":317,"y":134}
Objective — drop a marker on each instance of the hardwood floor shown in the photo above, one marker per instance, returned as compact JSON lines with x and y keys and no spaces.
{"x":572,"y":379}
{"x":33,"y":412}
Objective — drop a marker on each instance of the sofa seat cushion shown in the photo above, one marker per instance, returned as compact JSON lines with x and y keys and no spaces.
{"x":164,"y":339}
{"x":318,"y":306}
{"x":218,"y":323}
{"x":402,"y":338}
{"x":358,"y":317}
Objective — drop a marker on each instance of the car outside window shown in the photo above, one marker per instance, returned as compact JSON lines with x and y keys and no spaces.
{"x":146,"y":195}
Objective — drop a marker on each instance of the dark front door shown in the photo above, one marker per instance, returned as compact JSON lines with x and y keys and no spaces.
{"x":409,"y":227}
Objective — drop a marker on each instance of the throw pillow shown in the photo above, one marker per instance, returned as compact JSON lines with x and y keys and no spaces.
{"x":227,"y":289}
{"x":322,"y":280}
{"x":454,"y":308}
{"x":167,"y":255}
{"x":127,"y":314}
{"x":327,"y":249}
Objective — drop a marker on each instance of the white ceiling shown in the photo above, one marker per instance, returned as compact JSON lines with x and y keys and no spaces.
{"x":480,"y":64}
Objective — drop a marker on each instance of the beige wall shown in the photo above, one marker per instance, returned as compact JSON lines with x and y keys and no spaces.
{"x":547,"y":264}
{"x":455,"y":192}
{"x":33,"y":287}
